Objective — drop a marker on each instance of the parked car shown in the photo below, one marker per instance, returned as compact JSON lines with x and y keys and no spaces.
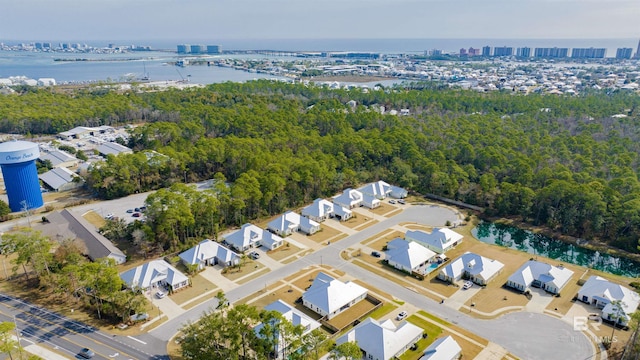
{"x":160,"y":294}
{"x":376,"y":254}
{"x":254,"y":255}
{"x":467,"y":284}
{"x":129,"y":211}
{"x":401,"y":316}
{"x":137,"y":214}
{"x":401,"y":202}
{"x":143,"y":208}
{"x":87,"y":353}
{"x":136,"y":209}
{"x":109,"y":216}
{"x":392,"y":201}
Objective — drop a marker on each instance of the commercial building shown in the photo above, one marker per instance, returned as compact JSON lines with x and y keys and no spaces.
{"x":184,"y":49}
{"x":486,"y":51}
{"x":61,"y":179}
{"x":524,"y":52}
{"x":197,"y":49}
{"x":213,"y":49}
{"x":503,"y":51}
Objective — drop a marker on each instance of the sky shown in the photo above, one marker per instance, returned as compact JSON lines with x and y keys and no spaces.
{"x":184,"y":20}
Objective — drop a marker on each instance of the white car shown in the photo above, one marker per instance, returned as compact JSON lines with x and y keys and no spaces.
{"x":467,"y":284}
{"x":401,"y":316}
{"x":392,"y":201}
{"x":109,"y":216}
{"x":160,"y":294}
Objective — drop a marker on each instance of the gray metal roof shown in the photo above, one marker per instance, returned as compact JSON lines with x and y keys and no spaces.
{"x":113,"y":148}
{"x":57,"y":157}
{"x":57,"y":177}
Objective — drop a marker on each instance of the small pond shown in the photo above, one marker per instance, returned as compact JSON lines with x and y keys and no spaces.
{"x":537,"y":244}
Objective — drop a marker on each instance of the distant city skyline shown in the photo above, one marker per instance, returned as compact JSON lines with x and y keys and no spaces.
{"x":191,"y":20}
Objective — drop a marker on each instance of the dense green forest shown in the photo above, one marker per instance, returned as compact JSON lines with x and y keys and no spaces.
{"x":560,"y":162}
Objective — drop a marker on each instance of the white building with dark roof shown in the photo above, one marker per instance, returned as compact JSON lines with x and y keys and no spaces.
{"x":154,"y":274}
{"x":209,"y":252}
{"x":614,"y":299}
{"x":329,"y":297}
{"x":408,"y":256}
{"x":538,"y":274}
{"x":382,"y":340}
{"x":474,"y":267}
{"x":439,"y":240}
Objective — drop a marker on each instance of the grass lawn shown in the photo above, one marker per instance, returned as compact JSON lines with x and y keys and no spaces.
{"x":199,"y":285}
{"x":392,"y":213}
{"x":263,"y":270}
{"x":288,"y":249}
{"x":356,"y":220}
{"x":491,"y":299}
{"x":353,"y":313}
{"x":414,"y":226}
{"x":249,"y":267}
{"x":299,"y":255}
{"x":383,"y":310}
{"x":94,"y":219}
{"x":384,"y":209}
{"x":380,"y":240}
{"x":370,"y":222}
{"x":326,"y":233}
{"x":563,"y":303}
{"x":432,"y":330}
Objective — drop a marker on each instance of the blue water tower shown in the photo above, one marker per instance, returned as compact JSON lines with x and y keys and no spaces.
{"x":18,"y":163}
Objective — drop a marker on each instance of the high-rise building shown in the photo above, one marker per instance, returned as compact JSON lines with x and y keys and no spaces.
{"x":503,"y":51}
{"x":553,"y":52}
{"x":486,"y":50}
{"x":524,"y":52}
{"x":473,"y":52}
{"x":588,"y":53}
{"x":463,"y":52}
{"x":624,"y":53}
{"x":197,"y":49}
{"x":184,"y":49}
{"x":638,"y":51}
{"x":213,"y":49}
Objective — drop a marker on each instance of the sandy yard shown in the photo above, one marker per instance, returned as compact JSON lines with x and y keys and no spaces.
{"x":288,"y":249}
{"x":199,"y":286}
{"x":326,"y":233}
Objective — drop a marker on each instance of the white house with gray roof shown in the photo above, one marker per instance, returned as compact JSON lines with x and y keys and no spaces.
{"x":444,"y":348}
{"x":154,"y":274}
{"x":474,"y":267}
{"x":328,"y":297}
{"x":542,"y":275}
{"x":377,"y":189}
{"x":250,"y":236}
{"x":614,"y":299}
{"x":408,"y":256}
{"x":290,"y":222}
{"x":319,"y":211}
{"x":439,"y":240}
{"x":209,"y":252}
{"x":349,"y":199}
{"x":382,"y":340}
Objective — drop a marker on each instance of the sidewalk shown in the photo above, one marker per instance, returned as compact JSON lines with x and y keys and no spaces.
{"x":45,"y":353}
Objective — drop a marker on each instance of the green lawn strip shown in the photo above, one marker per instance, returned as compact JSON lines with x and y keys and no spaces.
{"x":432,"y":330}
{"x":436,"y":319}
{"x":383,"y":310}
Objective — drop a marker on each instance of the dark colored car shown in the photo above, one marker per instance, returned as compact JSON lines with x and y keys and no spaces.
{"x":136,"y":214}
{"x":136,"y":209}
{"x":129,"y":211}
{"x":376,"y":254}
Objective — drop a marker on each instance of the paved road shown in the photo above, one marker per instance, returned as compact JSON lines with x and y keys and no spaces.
{"x":527,"y":335}
{"x":68,"y":337}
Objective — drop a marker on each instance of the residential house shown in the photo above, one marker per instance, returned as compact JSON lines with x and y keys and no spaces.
{"x":290,"y":222}
{"x":538,"y":274}
{"x":59,"y":158}
{"x":295,"y":317}
{"x":398,"y":192}
{"x":616,"y":301}
{"x":328,"y":297}
{"x":382,"y":340}
{"x":209,"y":252}
{"x":250,"y":236}
{"x":474,"y":267}
{"x":378,"y":189}
{"x":342,"y":213}
{"x":319,"y":211}
{"x":349,"y":199}
{"x":439,"y":240}
{"x":409,"y":256}
{"x":154,"y":274}
{"x":65,"y":224}
{"x":61,"y":179}
{"x":444,"y":348}
{"x":370,"y":201}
